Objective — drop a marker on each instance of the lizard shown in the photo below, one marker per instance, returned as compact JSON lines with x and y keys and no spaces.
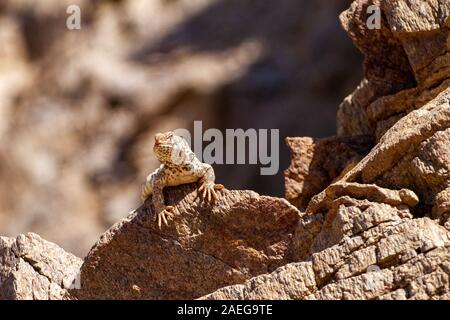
{"x":179,"y":165}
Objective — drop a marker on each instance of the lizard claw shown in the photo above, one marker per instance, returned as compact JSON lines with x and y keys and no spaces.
{"x":165,"y":215}
{"x":209,"y":191}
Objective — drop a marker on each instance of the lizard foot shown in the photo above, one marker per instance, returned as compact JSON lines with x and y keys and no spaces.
{"x":165,"y":215}
{"x":209,"y":191}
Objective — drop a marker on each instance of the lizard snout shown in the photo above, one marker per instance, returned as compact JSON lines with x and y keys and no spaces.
{"x":158,"y":137}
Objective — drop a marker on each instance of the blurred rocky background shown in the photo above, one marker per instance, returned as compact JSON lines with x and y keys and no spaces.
{"x":79,"y":108}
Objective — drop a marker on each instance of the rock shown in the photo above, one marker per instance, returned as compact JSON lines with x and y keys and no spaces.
{"x":312,"y":169}
{"x":407,"y":62}
{"x":386,"y":111}
{"x":380,"y":256}
{"x":204,"y":248}
{"x":413,"y":154}
{"x":386,"y":64}
{"x":351,"y":118}
{"x":293,"y":281}
{"x":422,"y":30}
{"x":33,"y":268}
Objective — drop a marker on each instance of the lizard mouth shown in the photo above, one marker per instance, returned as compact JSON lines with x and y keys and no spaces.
{"x":160,"y":145}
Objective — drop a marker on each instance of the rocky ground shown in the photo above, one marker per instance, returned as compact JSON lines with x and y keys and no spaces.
{"x":366,"y":213}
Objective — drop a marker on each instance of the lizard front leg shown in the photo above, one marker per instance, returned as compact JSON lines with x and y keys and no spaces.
{"x":154,"y":186}
{"x":163,"y":212}
{"x":208,"y":186}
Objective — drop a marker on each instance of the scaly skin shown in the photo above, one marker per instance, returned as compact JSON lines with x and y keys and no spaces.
{"x":179,"y":165}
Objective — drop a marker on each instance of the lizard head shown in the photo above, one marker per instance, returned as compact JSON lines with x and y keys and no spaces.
{"x":170,"y":148}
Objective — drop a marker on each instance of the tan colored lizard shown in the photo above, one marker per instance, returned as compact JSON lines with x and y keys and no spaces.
{"x":179,"y":165}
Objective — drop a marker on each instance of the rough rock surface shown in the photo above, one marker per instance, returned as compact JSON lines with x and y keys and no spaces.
{"x":204,"y":248}
{"x":412,"y":155}
{"x":407,"y":62}
{"x":312,"y":169}
{"x":33,"y":268}
{"x":381,"y":255}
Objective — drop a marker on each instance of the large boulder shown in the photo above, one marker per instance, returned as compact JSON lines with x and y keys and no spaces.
{"x":33,"y":268}
{"x":203,"y":249}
